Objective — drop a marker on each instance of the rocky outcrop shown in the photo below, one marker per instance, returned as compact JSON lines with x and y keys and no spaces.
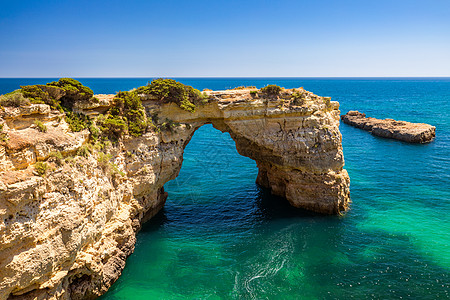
{"x":67,"y":234}
{"x":389,"y":128}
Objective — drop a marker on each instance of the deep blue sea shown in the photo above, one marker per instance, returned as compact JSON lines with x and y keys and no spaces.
{"x":220,"y":236}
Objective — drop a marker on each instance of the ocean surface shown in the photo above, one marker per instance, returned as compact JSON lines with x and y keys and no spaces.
{"x":220,"y":236}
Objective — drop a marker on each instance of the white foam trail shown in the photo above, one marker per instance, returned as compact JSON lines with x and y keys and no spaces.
{"x":276,"y":254}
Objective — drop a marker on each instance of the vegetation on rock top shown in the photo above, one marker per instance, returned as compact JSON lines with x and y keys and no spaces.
{"x":298,"y":98}
{"x":169,"y":90}
{"x":62,"y":93}
{"x":41,"y":168}
{"x":14,"y":99}
{"x":73,"y":91}
{"x":42,"y":94}
{"x":40,"y":126}
{"x":127,"y":115}
{"x":271,"y":90}
{"x":76,"y":121}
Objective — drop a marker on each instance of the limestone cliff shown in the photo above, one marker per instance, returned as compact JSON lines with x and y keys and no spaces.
{"x":70,"y":208}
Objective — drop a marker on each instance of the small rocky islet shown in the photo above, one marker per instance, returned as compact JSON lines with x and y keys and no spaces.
{"x":79,"y":172}
{"x":419,"y":133}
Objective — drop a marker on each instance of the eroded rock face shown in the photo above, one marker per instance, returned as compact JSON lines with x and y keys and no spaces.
{"x":392,"y":129}
{"x":67,"y":235}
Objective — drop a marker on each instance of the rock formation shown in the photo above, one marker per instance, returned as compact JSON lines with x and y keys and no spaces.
{"x":389,"y":128}
{"x":70,"y":207}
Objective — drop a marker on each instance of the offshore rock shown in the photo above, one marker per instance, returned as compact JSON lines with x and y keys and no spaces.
{"x":389,"y":128}
{"x":67,"y":234}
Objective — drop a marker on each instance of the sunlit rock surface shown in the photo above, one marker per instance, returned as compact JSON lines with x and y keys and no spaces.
{"x":67,"y":234}
{"x":392,"y":129}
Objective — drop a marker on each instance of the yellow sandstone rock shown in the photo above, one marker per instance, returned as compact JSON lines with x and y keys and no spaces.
{"x":68,"y":233}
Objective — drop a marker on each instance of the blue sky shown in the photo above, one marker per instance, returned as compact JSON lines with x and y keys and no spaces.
{"x":173,"y":38}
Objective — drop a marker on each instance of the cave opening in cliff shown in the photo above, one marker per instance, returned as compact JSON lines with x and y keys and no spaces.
{"x":217,"y":185}
{"x":211,"y":169}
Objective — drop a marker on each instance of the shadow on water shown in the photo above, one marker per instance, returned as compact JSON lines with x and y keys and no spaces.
{"x":266,"y":207}
{"x":273,"y":207}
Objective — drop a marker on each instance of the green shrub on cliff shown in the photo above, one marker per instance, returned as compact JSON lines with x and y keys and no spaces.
{"x":168,"y":125}
{"x":298,"y":98}
{"x":113,"y":126}
{"x":77,"y":122}
{"x":127,"y":115}
{"x":95,"y":131}
{"x":57,"y":157}
{"x":84,"y":151}
{"x":14,"y":99}
{"x":271,"y":90}
{"x":114,"y":170}
{"x":41,"y":168}
{"x":42,"y":94}
{"x":64,"y":92}
{"x":61,"y":95}
{"x":169,"y":90}
{"x":103,"y":160}
{"x":40,"y":126}
{"x":73,"y":90}
{"x":130,"y":106}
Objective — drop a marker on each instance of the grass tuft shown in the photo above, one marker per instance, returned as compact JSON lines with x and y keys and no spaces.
{"x":40,"y":126}
{"x":41,"y":168}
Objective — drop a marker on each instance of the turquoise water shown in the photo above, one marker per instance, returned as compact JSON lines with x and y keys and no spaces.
{"x":220,"y":236}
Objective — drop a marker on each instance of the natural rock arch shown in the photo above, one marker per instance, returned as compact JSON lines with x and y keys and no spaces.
{"x":68,"y":234}
{"x":304,"y":180}
{"x":298,"y":151}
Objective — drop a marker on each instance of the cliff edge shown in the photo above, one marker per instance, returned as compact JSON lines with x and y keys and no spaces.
{"x":79,"y":173}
